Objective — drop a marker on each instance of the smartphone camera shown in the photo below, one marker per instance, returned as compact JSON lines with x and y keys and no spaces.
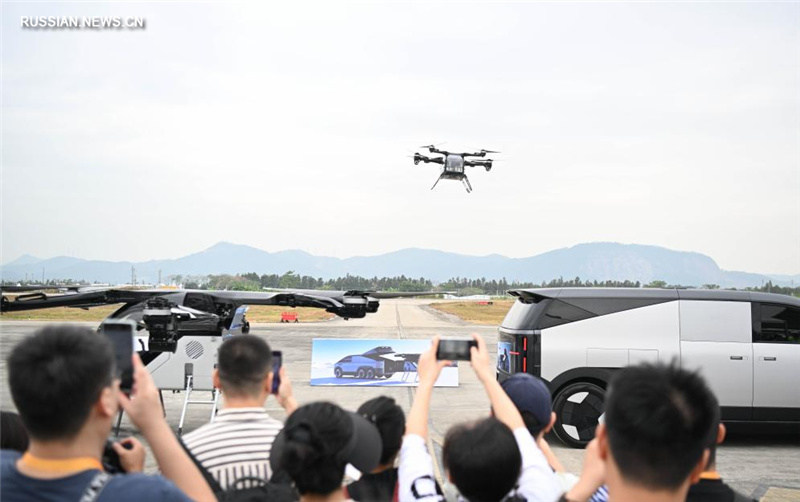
{"x":121,"y":335}
{"x":277,"y":357}
{"x":455,"y":350}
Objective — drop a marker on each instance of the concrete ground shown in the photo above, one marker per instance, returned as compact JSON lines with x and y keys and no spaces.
{"x":765,"y":464}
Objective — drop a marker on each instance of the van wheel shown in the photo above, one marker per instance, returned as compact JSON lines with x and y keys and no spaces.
{"x":578,"y":410}
{"x":388,"y":375}
{"x":361,"y":373}
{"x":370,"y":374}
{"x":337,"y":372}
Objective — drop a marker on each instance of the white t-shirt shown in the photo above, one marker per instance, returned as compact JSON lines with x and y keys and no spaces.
{"x":537,"y":482}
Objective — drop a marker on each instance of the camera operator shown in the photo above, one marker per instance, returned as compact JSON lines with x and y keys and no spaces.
{"x":62,"y":382}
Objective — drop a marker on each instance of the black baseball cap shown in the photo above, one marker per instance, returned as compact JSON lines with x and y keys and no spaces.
{"x":529,"y":394}
{"x":363,"y":451}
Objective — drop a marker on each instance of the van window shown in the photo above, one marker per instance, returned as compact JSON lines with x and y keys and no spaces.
{"x":525,"y":315}
{"x":562,"y":313}
{"x":779,"y":324}
{"x":715,"y":321}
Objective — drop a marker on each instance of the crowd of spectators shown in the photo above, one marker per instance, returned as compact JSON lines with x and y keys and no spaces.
{"x":657,"y":442}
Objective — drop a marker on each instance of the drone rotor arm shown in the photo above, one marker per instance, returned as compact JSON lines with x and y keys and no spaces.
{"x":428,"y":160}
{"x":474,"y":163}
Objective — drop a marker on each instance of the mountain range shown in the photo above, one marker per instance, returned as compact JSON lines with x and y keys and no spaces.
{"x":593,"y":261}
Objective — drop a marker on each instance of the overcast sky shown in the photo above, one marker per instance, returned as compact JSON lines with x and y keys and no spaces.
{"x":288,"y":125}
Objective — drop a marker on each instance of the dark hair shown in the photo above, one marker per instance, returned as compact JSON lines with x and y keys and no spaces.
{"x":483,"y":459}
{"x":317,"y":435}
{"x":532,"y":423}
{"x":243,"y":363}
{"x":56,"y":375}
{"x":659,"y":419}
{"x":13,"y":435}
{"x":390,"y":420}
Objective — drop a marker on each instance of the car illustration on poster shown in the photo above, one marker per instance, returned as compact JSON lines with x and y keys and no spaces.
{"x":380,"y":362}
{"x":371,"y":362}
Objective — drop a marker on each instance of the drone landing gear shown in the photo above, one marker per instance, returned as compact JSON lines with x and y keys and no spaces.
{"x":187,"y":401}
{"x":437,"y":181}
{"x":467,"y":186}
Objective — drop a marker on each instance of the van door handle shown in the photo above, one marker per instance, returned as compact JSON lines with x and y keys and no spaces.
{"x":770,"y":358}
{"x":737,"y":358}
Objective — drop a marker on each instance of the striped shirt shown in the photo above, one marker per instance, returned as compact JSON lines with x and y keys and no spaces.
{"x":235,"y":445}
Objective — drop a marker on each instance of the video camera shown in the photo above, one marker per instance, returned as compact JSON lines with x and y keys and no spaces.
{"x":110,"y":458}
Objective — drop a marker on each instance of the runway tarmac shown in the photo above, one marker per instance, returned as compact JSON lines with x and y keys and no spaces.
{"x":753,"y":463}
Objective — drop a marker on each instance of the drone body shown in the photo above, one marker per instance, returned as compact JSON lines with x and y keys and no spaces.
{"x":454,"y":164}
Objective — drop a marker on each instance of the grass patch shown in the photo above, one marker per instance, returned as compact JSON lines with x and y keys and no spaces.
{"x":270,"y":313}
{"x":257,"y":313}
{"x":476,"y":313}
{"x":94,"y":314}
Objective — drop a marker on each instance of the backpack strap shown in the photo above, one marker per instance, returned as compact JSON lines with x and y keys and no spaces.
{"x":95,"y":486}
{"x":212,"y":482}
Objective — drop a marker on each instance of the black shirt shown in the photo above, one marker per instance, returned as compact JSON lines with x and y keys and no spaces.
{"x":378,"y":487}
{"x":712,"y":490}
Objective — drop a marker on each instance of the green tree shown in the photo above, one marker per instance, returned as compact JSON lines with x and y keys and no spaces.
{"x":290,"y":280}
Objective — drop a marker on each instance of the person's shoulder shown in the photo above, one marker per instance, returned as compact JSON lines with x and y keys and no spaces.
{"x":525,"y":440}
{"x":274,"y":422}
{"x":198,"y":433}
{"x":8,"y":459}
{"x":134,"y":487}
{"x":9,"y":456}
{"x":714,"y":490}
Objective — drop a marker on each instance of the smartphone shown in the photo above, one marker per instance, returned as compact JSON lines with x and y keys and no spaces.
{"x":455,"y":350}
{"x":121,"y":335}
{"x":277,"y":357}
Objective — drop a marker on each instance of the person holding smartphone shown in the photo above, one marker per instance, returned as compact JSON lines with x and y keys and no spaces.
{"x":239,"y":441}
{"x":492,"y":459}
{"x":64,"y":384}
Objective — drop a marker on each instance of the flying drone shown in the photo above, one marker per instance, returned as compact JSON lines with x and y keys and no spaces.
{"x":454,"y":164}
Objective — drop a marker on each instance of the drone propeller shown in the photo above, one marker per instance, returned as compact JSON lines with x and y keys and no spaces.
{"x":489,"y":151}
{"x":434,"y":145}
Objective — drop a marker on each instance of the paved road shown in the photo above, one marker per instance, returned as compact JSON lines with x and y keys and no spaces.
{"x":753,"y":463}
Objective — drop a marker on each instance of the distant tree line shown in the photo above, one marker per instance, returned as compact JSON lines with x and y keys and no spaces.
{"x":460,"y":285}
{"x":290,"y":280}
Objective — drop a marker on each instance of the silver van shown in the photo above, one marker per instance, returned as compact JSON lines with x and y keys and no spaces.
{"x":746,"y":345}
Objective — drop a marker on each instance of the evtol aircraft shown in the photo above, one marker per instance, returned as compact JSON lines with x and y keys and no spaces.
{"x":179,"y":331}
